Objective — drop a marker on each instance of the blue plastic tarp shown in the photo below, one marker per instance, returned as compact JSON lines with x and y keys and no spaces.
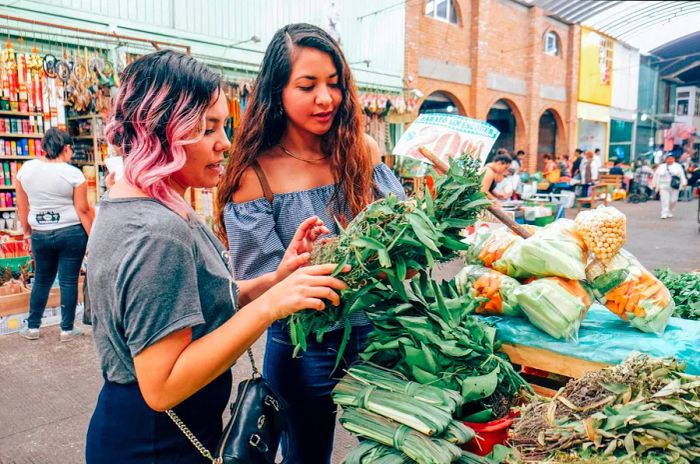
{"x":606,"y":338}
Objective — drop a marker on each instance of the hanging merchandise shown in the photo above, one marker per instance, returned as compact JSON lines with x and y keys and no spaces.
{"x":10,"y":86}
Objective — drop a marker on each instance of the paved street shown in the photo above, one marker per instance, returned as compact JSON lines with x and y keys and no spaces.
{"x":48,"y":389}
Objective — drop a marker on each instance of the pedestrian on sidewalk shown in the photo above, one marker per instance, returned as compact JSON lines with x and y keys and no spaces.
{"x":165,"y":319}
{"x":53,"y":209}
{"x":669,"y":179}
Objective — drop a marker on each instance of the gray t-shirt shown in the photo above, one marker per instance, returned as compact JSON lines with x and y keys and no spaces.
{"x":151,"y":273}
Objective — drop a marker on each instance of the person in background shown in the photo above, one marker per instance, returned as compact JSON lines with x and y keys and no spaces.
{"x":642,"y":178}
{"x":589,"y":171}
{"x":517,"y":164}
{"x":54,"y":211}
{"x":662,"y":184}
{"x":598,"y":156}
{"x":550,"y":169}
{"x":564,"y":165}
{"x":617,"y":170}
{"x":576,"y":165}
{"x":494,"y":173}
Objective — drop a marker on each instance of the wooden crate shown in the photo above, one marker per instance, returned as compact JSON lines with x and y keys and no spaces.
{"x":18,"y":303}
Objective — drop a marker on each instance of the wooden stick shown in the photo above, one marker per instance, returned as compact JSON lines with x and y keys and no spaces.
{"x":501,"y":215}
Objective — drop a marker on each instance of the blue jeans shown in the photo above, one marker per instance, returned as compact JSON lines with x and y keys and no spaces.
{"x":61,"y":250}
{"x":306,"y":383}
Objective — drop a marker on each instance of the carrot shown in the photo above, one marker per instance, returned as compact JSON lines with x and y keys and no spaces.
{"x":498,"y":303}
{"x":639,"y":312}
{"x":632,"y":303}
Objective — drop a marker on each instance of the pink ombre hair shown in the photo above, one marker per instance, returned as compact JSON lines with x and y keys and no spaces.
{"x":159,"y":110}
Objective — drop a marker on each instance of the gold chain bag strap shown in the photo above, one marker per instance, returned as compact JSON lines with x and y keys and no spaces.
{"x":258,"y":416}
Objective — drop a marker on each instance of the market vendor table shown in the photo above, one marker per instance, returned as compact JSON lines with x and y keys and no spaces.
{"x":550,"y":361}
{"x":604,"y":339}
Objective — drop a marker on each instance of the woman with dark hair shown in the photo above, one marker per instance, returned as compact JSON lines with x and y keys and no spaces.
{"x":494,"y":173}
{"x":165,"y":318}
{"x":53,"y":209}
{"x":300,"y":151}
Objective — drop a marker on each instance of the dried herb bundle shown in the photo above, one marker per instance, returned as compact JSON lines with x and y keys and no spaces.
{"x":644,"y":409}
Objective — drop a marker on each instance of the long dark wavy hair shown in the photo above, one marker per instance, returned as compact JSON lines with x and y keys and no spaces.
{"x":264,"y":122}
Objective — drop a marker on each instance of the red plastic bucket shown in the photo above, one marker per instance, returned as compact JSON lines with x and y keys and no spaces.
{"x":488,"y":435}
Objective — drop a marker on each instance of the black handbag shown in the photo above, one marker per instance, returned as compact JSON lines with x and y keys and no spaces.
{"x":258,"y":418}
{"x":675,"y":180}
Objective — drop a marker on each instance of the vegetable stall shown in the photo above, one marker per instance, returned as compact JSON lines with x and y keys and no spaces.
{"x":453,"y":361}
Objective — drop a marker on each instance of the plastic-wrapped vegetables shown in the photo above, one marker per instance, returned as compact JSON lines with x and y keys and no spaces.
{"x":555,"y":305}
{"x":629,"y":290}
{"x":556,"y":250}
{"x":604,"y":230}
{"x":488,"y":245}
{"x":496,"y":288}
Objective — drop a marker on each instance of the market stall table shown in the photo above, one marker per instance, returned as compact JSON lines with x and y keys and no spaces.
{"x":604,"y":339}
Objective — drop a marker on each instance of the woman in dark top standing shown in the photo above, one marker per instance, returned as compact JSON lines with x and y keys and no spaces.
{"x":301,"y":151}
{"x":164,"y":305}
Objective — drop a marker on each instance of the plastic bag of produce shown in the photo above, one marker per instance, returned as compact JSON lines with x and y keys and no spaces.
{"x":555,"y":305}
{"x":489,"y":244}
{"x":629,"y":290}
{"x":604,"y":230}
{"x":556,"y":250}
{"x":497,"y":288}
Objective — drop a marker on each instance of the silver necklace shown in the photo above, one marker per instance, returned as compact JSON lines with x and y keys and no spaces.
{"x":311,"y":161}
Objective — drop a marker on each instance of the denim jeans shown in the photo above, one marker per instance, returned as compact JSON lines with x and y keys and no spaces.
{"x":306,"y":383}
{"x":61,"y":250}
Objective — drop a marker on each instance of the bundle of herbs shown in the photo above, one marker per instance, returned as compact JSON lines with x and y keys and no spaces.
{"x":390,"y":239}
{"x":685,"y":291}
{"x":643,"y":410}
{"x":428,"y":333}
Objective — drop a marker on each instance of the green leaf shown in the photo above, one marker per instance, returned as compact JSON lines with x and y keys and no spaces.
{"x":480,"y":387}
{"x":478,"y":203}
{"x":397,"y":284}
{"x":344,"y":343}
{"x":452,"y":244}
{"x":340,"y":266}
{"x":423,"y":233}
{"x":481,"y":416}
{"x":369,"y":242}
{"x":400,"y":268}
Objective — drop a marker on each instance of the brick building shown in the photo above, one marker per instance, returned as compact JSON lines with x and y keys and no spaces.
{"x":504,"y":61}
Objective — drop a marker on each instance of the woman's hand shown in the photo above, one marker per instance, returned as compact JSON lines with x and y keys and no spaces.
{"x":305,"y":288}
{"x":298,"y":252}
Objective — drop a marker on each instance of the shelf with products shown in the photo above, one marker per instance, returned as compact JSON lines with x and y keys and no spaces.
{"x":18,"y":158}
{"x":6,"y":210}
{"x":20,"y":136}
{"x":19,"y":114}
{"x":89,"y":151}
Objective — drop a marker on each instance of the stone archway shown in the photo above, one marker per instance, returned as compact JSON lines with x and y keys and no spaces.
{"x":441,"y":101}
{"x":550,"y":137}
{"x":504,"y":115}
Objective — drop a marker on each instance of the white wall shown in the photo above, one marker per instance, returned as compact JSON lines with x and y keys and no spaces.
{"x":625,"y":82}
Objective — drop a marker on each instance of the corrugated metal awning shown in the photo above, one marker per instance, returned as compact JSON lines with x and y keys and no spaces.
{"x":645,"y":25}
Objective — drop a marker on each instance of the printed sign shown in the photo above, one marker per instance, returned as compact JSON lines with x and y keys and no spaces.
{"x":446,"y":135}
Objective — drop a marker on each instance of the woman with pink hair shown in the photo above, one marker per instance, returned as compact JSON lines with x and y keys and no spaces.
{"x":166,"y":317}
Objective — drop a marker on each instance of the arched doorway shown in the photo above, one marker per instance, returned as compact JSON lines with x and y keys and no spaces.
{"x":547,"y":137}
{"x":439,"y":102}
{"x":502,"y":118}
